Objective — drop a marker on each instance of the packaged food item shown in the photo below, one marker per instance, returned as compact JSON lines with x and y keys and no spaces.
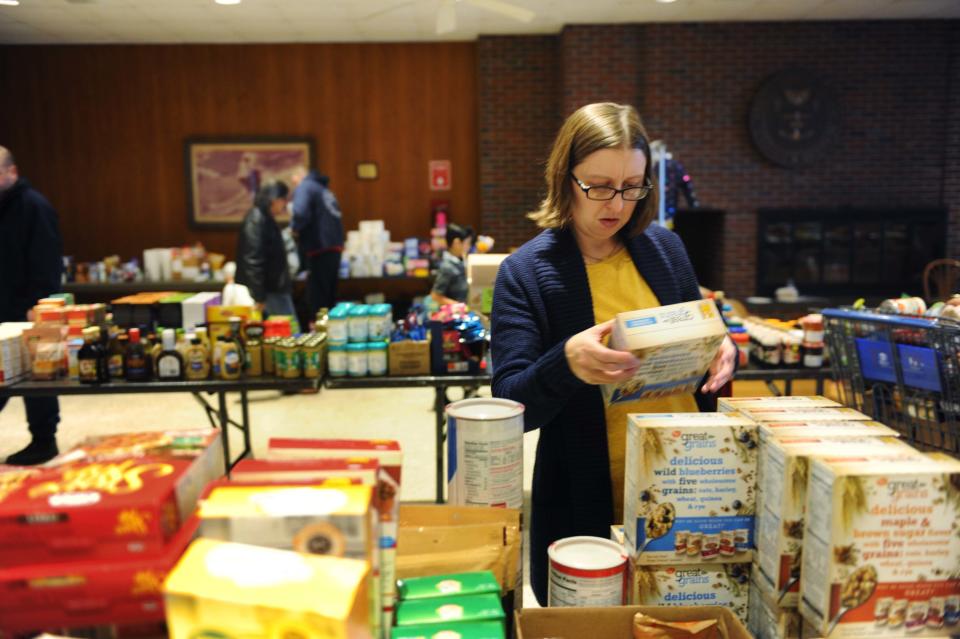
{"x":766,"y":619}
{"x":782,"y":488}
{"x":337,"y":325}
{"x":445,"y":609}
{"x":463,"y":583}
{"x":227,"y":589}
{"x":452,"y":630}
{"x":88,"y":593}
{"x":269,"y":363}
{"x":231,"y":361}
{"x":813,"y":354}
{"x":879,"y":527}
{"x":312,"y":349}
{"x":197,"y":366}
{"x":97,"y":510}
{"x":586,"y":572}
{"x":647,"y":627}
{"x":136,"y":363}
{"x":377,"y":358}
{"x":903,"y":306}
{"x":825,"y":429}
{"x":48,"y":360}
{"x":254,"y":367}
{"x":685,"y":585}
{"x":675,"y":345}
{"x":357,"y":325}
{"x":357,"y":359}
{"x":730,"y":404}
{"x":697,"y":479}
{"x":804,"y":414}
{"x":337,"y":360}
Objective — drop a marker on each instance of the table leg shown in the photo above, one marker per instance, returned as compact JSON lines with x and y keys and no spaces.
{"x":438,"y":409}
{"x":224,"y":429}
{"x":788,"y":387}
{"x":820,"y":382}
{"x":245,"y":413}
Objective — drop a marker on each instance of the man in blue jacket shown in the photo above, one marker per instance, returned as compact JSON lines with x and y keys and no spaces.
{"x":31,"y":262}
{"x":318,"y":225}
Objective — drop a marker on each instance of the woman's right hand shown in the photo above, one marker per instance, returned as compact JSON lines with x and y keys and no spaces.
{"x":594,"y":363}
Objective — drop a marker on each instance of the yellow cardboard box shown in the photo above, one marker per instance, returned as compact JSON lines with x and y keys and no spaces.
{"x":222,"y":589}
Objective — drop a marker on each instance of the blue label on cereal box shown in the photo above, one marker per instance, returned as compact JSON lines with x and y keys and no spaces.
{"x":697,"y":538}
{"x":642,"y":321}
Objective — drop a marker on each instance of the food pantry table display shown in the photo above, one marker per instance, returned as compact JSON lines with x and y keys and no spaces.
{"x":218,"y":416}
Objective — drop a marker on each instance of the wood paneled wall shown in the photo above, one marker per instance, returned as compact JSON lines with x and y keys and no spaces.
{"x":100,"y":129}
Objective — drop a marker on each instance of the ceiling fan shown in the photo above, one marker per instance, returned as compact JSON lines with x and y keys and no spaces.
{"x":447,"y":12}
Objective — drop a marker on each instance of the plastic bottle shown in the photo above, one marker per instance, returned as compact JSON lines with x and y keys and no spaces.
{"x":231,"y":362}
{"x":169,"y":361}
{"x":198,"y":360}
{"x":136,"y":362}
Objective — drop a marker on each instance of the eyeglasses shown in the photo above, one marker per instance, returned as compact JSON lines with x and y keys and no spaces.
{"x":603,"y":193}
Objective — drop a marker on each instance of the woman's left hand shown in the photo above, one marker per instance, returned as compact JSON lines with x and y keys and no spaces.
{"x":722,"y":367}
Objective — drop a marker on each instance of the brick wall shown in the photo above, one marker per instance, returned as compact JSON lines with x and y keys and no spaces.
{"x":897,"y":82}
{"x":518,"y":89}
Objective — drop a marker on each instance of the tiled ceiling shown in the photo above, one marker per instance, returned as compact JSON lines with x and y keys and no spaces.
{"x":175,"y":21}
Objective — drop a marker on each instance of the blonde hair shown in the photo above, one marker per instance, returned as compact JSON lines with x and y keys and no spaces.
{"x":603,"y":125}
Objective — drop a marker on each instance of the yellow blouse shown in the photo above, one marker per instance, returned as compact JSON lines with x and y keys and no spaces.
{"x":616,"y":287}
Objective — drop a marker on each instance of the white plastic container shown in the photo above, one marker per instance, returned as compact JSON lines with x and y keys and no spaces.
{"x":337,"y":325}
{"x":586,"y":572}
{"x":377,"y":358}
{"x":357,"y":360}
{"x":337,"y":360}
{"x":357,"y":327}
{"x":485,"y":453}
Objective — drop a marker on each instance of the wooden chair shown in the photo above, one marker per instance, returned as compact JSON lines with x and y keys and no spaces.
{"x":941,"y":279}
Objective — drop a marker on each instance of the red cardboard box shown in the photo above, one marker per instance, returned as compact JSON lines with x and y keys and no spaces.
{"x":97,"y":510}
{"x":360,"y":470}
{"x":89,"y":593}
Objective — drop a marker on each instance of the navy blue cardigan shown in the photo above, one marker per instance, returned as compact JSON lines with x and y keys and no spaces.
{"x":542,"y":297}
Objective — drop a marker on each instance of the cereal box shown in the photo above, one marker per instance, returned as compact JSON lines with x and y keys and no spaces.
{"x":691,"y":585}
{"x":825,"y":414}
{"x":809,"y":428}
{"x":675,"y":345}
{"x":881,"y":546}
{"x":767,"y":620}
{"x":96,"y":510}
{"x":222,"y":589}
{"x":319,"y":520}
{"x":689,"y":495}
{"x":782,"y":493}
{"x":387,"y":453}
{"x":88,"y":593}
{"x":359,"y":471}
{"x":731,"y":404}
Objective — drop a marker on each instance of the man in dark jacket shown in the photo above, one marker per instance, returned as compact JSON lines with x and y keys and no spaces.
{"x":318,"y":225}
{"x":31,"y":262}
{"x":261,"y":254}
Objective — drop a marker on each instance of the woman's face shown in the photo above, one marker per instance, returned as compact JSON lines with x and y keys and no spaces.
{"x":619,"y":168}
{"x":278,"y":206}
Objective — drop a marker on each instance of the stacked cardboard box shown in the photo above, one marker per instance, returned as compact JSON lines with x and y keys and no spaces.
{"x":88,"y":540}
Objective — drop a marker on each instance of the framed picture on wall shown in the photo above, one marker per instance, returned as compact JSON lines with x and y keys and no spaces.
{"x":224,"y":174}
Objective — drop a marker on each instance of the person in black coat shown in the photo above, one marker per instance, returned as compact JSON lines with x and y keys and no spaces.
{"x":31,"y":263}
{"x":261,"y":254}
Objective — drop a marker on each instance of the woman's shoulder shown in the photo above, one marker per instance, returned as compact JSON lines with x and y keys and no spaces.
{"x":536,"y":248}
{"x":659,"y":236}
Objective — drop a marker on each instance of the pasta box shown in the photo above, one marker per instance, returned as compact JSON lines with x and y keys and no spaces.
{"x":97,"y":510}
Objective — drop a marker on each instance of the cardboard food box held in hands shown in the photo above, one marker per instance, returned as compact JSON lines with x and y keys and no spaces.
{"x":675,"y":345}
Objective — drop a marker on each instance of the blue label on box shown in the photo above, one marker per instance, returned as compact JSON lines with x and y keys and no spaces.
{"x":451,"y":447}
{"x":920,"y":367}
{"x":740,"y":526}
{"x":643,"y":321}
{"x":876,"y":359}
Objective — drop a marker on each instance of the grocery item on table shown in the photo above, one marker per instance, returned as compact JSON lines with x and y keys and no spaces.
{"x":707,"y":584}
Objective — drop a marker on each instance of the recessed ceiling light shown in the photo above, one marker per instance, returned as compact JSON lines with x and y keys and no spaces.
{"x":10,"y":3}
{"x":227,"y":1}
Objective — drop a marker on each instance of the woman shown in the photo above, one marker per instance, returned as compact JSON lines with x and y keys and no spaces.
{"x":553,"y":307}
{"x":261,"y":254}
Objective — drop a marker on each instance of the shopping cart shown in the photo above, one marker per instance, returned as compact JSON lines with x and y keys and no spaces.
{"x":903,"y":371}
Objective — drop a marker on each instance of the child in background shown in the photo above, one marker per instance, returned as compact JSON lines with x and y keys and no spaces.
{"x":450,"y":286}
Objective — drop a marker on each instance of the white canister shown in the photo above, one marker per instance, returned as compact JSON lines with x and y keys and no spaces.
{"x":379,"y":322}
{"x":337,"y":325}
{"x":377,"y":358}
{"x":586,"y":572}
{"x":337,"y":360}
{"x":357,"y":326}
{"x":357,"y":360}
{"x":485,"y":453}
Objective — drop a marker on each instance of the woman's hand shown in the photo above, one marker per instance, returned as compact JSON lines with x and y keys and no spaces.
{"x":594,"y":363}
{"x":722,"y":367}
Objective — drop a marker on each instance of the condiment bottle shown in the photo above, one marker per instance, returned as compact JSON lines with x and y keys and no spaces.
{"x":90,"y":359}
{"x":198,"y":360}
{"x":118,"y":348}
{"x":136,"y":361}
{"x":231,"y":362}
{"x":169,"y":361}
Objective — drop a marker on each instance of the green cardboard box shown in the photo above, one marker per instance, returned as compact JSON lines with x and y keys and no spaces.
{"x":458,"y":584}
{"x":446,"y":609}
{"x":455,"y":630}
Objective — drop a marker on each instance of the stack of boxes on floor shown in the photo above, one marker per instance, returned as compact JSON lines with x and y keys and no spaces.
{"x":257,"y":570}
{"x":852,"y":532}
{"x":88,"y":540}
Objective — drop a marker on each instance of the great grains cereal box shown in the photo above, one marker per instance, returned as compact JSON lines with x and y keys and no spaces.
{"x":882,"y":546}
{"x":731,"y":404}
{"x":223,"y":589}
{"x":714,"y":584}
{"x":797,"y":414}
{"x":690,"y":489}
{"x":768,"y":620}
{"x":675,"y":345}
{"x":782,"y":493}
{"x":825,"y":429}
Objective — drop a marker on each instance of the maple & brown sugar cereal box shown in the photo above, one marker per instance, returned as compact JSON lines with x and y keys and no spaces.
{"x":881,"y":553}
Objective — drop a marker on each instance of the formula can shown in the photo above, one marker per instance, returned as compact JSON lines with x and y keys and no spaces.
{"x":586,"y":572}
{"x":485,"y":453}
